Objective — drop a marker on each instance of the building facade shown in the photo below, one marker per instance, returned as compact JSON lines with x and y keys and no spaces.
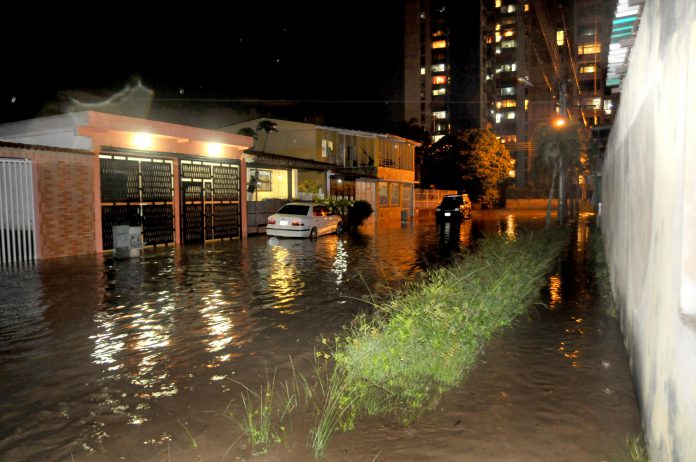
{"x":92,"y":171}
{"x":375,"y":167}
{"x":427,"y":66}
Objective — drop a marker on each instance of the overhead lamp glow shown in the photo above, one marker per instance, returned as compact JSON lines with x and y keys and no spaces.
{"x":214,"y":149}
{"x":142,"y":140}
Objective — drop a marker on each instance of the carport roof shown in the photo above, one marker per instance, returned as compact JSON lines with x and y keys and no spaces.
{"x":280,"y":160}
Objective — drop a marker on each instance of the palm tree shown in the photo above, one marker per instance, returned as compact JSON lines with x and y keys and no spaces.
{"x":267,"y":126}
{"x":557,"y":145}
{"x":248,"y":131}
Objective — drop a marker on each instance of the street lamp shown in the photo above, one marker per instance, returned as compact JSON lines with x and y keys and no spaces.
{"x":559,"y":122}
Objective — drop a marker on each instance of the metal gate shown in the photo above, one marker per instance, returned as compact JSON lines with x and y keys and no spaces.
{"x":137,"y":191}
{"x":210,"y":201}
{"x":17,"y":233}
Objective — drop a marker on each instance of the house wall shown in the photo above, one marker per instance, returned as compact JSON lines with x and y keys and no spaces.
{"x":648,"y":221}
{"x":64,"y":199}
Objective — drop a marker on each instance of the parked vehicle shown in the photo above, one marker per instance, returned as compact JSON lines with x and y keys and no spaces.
{"x":303,"y":219}
{"x":453,"y":207}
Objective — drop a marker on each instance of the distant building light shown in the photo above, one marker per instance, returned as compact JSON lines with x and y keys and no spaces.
{"x":440,"y":44}
{"x":560,"y":38}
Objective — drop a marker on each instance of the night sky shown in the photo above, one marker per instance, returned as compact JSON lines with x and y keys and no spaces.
{"x":334,"y":62}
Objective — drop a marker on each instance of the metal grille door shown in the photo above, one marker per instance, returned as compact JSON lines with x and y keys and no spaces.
{"x":17,"y":233}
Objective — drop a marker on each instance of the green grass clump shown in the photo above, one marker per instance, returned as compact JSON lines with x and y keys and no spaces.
{"x":634,"y":451}
{"x":400,"y":359}
{"x":265,"y":413}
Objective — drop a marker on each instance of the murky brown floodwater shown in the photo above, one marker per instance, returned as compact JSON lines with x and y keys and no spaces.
{"x":131,"y":360}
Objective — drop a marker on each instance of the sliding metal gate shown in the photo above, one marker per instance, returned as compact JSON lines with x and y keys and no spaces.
{"x":137,"y":191}
{"x":17,"y":233}
{"x":210,"y":201}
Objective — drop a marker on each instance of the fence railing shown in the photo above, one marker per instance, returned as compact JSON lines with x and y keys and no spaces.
{"x":430,"y":198}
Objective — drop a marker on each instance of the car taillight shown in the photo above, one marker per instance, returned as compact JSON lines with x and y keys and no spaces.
{"x":270,"y":221}
{"x":297,"y":223}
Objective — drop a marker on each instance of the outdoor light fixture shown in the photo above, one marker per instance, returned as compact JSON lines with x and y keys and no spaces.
{"x":559,"y":122}
{"x":214,"y":149}
{"x":142,"y":140}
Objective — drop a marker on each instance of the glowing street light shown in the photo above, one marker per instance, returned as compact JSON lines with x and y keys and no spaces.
{"x":559,"y":122}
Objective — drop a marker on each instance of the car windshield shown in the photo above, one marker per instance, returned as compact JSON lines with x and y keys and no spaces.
{"x":451,"y":201}
{"x":294,"y":209}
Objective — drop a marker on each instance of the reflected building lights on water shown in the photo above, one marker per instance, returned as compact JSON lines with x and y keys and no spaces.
{"x":555,"y":294}
{"x":511,"y":228}
{"x":340,"y":264}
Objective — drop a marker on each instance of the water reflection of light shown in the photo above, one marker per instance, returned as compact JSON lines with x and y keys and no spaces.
{"x":284,"y":280}
{"x":218,"y":323}
{"x":511,"y":227}
{"x":340,"y":264}
{"x":583,"y":234}
{"x":555,"y":290}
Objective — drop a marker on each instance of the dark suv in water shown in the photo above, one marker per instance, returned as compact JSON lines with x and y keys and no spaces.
{"x":453,"y":207}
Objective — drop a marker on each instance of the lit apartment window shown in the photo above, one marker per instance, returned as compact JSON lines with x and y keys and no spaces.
{"x":422,"y":71}
{"x":439,"y":33}
{"x":587,"y":69}
{"x":508,"y":44}
{"x":439,"y":91}
{"x":439,"y":79}
{"x":507,"y":91}
{"x":510,"y":115}
{"x":497,"y":50}
{"x":508,"y":9}
{"x":509,"y":139}
{"x":422,"y":15}
{"x":326,"y":147}
{"x":498,"y":3}
{"x":526,"y":7}
{"x":498,"y":37}
{"x":497,"y":27}
{"x":440,"y":44}
{"x":508,"y":103}
{"x":608,"y":106}
{"x":560,"y":38}
{"x":440,"y":115}
{"x":489,"y":39}
{"x":526,"y":104}
{"x":509,"y":33}
{"x":508,"y":21}
{"x":589,"y":49}
{"x":498,"y":117}
{"x":438,"y":68}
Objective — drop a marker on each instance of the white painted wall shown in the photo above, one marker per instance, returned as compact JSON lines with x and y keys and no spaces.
{"x":649,"y":223}
{"x":58,"y":131}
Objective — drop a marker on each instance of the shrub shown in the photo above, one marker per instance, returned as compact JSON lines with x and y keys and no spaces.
{"x":358,"y":213}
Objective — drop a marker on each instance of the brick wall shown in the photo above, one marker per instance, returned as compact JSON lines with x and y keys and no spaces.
{"x":64,"y":198}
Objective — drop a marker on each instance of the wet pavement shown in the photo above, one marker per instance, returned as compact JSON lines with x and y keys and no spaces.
{"x":136,"y":360}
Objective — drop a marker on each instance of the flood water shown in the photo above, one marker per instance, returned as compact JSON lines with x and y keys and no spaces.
{"x":137,"y":359}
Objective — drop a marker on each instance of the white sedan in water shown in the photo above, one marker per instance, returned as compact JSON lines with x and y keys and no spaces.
{"x":303,"y":219}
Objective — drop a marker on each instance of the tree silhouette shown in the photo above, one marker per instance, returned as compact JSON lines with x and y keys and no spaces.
{"x":267,"y":126}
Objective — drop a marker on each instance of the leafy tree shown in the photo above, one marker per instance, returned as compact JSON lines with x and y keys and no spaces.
{"x":473,"y":160}
{"x":411,"y":130}
{"x":557,"y":152}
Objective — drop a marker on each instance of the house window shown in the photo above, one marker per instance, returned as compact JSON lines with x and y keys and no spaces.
{"x":326,"y":148}
{"x":394,"y":197}
{"x":263,"y":179}
{"x":383,"y":194}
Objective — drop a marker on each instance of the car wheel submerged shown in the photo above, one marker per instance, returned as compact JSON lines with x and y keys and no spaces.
{"x":313,"y":233}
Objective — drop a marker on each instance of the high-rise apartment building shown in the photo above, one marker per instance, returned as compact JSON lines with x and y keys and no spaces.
{"x":427,"y":66}
{"x":520,"y":69}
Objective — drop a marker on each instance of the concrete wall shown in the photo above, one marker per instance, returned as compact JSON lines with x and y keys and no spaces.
{"x":649,"y":218}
